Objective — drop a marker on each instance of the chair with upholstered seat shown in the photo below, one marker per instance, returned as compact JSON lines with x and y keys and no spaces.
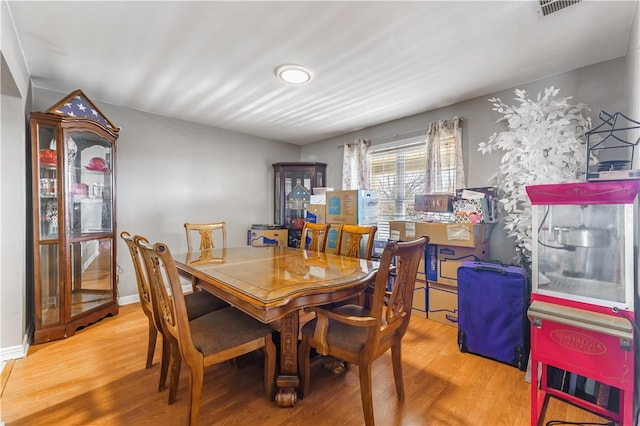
{"x":218,"y":336}
{"x":314,"y":236}
{"x":207,"y":233}
{"x":198,"y":304}
{"x":356,"y":241}
{"x":359,"y":335}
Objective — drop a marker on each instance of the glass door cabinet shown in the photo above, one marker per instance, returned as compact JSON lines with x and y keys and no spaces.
{"x":73,"y":196}
{"x":294,"y":183}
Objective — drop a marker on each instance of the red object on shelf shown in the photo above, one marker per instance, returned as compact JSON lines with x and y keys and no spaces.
{"x":48,"y":157}
{"x":97,"y":164}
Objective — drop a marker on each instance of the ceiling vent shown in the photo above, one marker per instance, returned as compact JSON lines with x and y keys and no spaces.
{"x":547,"y":7}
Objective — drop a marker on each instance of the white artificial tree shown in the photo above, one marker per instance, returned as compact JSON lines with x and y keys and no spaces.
{"x":544,"y":143}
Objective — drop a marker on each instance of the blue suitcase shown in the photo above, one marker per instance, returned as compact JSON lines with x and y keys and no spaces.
{"x":492,"y":311}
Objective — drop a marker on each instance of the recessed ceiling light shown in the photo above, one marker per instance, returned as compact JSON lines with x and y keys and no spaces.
{"x":294,"y":74}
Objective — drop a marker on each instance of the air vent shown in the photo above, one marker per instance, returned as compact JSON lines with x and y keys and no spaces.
{"x":547,"y":7}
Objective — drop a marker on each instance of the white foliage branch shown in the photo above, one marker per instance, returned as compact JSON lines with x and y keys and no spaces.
{"x":544,"y":143}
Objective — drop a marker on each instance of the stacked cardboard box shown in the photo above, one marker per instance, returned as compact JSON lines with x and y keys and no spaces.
{"x":351,"y":207}
{"x":442,"y":263}
{"x":436,"y":294}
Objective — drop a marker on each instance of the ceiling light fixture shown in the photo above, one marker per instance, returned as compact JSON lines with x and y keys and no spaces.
{"x":293,"y":74}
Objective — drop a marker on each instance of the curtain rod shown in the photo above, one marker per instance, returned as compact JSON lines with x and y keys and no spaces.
{"x":410,"y":133}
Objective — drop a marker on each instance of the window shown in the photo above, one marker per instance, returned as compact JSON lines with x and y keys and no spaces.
{"x":397,"y":173}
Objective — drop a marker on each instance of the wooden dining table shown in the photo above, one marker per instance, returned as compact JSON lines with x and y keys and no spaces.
{"x":272,"y":284}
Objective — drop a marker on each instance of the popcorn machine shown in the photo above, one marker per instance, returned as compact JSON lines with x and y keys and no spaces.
{"x":585,"y":293}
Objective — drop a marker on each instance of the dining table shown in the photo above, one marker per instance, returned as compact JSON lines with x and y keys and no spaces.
{"x":272,"y":284}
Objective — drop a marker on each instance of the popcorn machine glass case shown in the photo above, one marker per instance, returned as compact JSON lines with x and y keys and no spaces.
{"x":583,"y":242}
{"x":584,"y":291}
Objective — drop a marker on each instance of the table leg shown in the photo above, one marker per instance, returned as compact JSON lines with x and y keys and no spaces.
{"x":287,"y":382}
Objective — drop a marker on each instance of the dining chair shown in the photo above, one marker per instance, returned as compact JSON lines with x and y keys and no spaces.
{"x":213,"y":338}
{"x":314,"y":236}
{"x":356,"y":241}
{"x":350,"y":241}
{"x":197,"y":304}
{"x":359,"y":335}
{"x":206,"y":233}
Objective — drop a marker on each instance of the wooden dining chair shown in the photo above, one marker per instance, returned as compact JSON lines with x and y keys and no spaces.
{"x":356,"y":241}
{"x":206,"y":235}
{"x":215,"y":337}
{"x":314,"y":236}
{"x":359,"y":335}
{"x":350,"y":241}
{"x":197,"y":304}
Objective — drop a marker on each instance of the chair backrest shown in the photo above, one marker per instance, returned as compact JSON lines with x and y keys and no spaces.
{"x":393,"y":314}
{"x":141,"y":275}
{"x":350,"y":241}
{"x":314,"y":236}
{"x":206,"y":232}
{"x":171,"y":309}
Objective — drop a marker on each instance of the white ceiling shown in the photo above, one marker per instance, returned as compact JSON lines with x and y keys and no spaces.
{"x":213,"y":62}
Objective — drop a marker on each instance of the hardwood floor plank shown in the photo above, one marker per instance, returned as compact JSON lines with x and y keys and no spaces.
{"x":97,"y":377}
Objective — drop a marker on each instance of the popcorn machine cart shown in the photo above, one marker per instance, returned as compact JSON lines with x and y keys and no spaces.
{"x":584,"y":293}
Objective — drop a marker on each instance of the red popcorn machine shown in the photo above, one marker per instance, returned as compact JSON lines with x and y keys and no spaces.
{"x":584,"y":296}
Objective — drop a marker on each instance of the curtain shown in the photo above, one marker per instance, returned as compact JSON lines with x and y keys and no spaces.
{"x":445,"y":169}
{"x":355,"y":165}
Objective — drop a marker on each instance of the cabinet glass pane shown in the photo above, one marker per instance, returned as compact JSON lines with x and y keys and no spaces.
{"x":278,"y":200}
{"x":91,"y":274}
{"x":297,"y":194}
{"x":47,"y":182}
{"x":89,"y":183}
{"x":49,"y":284}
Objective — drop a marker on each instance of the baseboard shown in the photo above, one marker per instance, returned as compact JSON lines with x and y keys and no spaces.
{"x":128,"y":300}
{"x":15,"y":352}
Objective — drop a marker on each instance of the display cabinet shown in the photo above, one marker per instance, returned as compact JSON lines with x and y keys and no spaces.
{"x":293,"y":186}
{"x":73,"y":197}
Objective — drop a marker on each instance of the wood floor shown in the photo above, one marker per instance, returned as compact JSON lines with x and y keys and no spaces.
{"x":97,"y":377}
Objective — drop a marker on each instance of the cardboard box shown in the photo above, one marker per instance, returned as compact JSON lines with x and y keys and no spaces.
{"x":378,"y":248}
{"x":353,"y":207}
{"x":267,"y":237}
{"x":316,"y":213}
{"x":318,"y":199}
{"x":421,"y":276}
{"x":332,"y":239}
{"x":321,"y":190}
{"x":451,"y":234}
{"x":419,"y":303}
{"x":442,"y":262}
{"x":443,"y":304}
